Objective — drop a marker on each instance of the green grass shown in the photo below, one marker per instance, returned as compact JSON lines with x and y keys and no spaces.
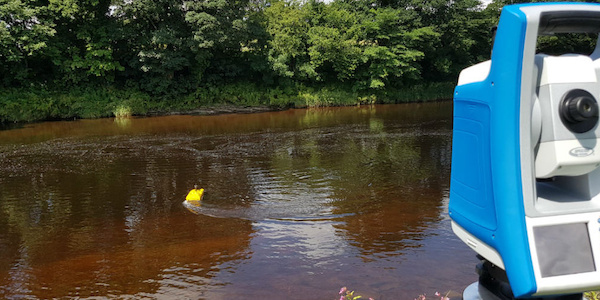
{"x":32,"y":104}
{"x":419,"y":93}
{"x":36,"y":105}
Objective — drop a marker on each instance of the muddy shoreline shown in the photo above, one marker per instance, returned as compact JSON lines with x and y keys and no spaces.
{"x":217,"y":110}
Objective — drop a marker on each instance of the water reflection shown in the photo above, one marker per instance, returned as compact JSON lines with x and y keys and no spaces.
{"x":297,"y":204}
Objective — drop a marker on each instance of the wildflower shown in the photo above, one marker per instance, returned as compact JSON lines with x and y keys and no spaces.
{"x":345,"y":294}
{"x":421,"y":297}
{"x":343,"y":290}
{"x":444,"y":297}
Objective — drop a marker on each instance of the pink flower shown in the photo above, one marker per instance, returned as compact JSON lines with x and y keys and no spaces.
{"x":343,"y":290}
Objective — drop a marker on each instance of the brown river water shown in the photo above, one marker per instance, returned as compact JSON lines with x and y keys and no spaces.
{"x":298,"y":204}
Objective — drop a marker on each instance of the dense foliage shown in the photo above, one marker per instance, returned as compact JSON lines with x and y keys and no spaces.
{"x":295,"y":51}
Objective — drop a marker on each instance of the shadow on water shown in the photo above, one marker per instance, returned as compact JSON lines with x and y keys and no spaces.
{"x":298,"y":203}
{"x":10,"y":126}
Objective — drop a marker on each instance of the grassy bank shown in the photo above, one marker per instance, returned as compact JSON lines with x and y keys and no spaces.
{"x":33,"y":104}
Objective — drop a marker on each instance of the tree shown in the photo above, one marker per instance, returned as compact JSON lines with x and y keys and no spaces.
{"x":160,"y":55}
{"x":82,"y":50}
{"x":394,"y":47}
{"x":288,"y":25}
{"x":351,"y":42}
{"x":465,"y":36}
{"x":24,"y":35}
{"x":333,"y":41}
{"x":220,"y":30}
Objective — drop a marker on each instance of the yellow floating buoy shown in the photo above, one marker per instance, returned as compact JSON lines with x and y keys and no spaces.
{"x":195,"y":195}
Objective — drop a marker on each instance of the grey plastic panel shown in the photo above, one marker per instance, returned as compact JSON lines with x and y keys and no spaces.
{"x":564,"y":249}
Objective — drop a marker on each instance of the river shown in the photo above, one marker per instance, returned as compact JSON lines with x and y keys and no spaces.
{"x":298,"y":204}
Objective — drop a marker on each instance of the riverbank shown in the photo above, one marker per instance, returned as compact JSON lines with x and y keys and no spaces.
{"x":41,"y":104}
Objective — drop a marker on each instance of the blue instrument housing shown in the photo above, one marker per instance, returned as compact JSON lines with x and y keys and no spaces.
{"x":493,"y":181}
